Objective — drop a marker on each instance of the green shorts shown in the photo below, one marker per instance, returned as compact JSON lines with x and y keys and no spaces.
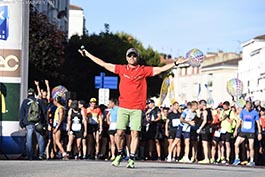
{"x":132,"y":115}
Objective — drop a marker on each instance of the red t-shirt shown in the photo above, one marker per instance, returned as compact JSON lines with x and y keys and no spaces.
{"x":93,"y":115}
{"x":262,"y":118}
{"x":133,"y":87}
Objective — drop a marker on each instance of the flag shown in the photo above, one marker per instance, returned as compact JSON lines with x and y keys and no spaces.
{"x":210,"y":99}
{"x":171,"y":92}
{"x":199,"y":91}
{"x":164,"y":90}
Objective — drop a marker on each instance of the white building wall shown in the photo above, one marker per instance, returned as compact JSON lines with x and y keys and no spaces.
{"x":76,"y":22}
{"x":252,"y":69}
{"x":218,"y":77}
{"x":187,"y":86}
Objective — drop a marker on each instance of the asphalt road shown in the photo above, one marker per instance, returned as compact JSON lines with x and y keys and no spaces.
{"x":82,"y":168}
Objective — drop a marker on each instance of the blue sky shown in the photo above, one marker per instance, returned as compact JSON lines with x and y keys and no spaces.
{"x":174,"y":26}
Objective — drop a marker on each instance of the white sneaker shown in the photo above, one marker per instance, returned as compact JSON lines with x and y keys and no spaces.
{"x":185,"y":160}
{"x":169,"y":159}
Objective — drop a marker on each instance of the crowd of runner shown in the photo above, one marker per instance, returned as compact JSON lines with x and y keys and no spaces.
{"x":183,"y":133}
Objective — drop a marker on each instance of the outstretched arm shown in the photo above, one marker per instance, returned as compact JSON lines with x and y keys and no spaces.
{"x":38,"y":88}
{"x":158,"y":70}
{"x":108,"y":66}
{"x":48,"y":90}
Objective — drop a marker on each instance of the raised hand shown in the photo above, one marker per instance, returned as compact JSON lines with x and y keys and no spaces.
{"x":36,"y":83}
{"x":83,"y":51}
{"x":182,"y":60}
{"x":46,"y":82}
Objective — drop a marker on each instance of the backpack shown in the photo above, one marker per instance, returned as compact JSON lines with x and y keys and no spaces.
{"x":34,"y":111}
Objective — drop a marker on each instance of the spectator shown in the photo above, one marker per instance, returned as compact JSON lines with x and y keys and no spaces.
{"x":24,"y":122}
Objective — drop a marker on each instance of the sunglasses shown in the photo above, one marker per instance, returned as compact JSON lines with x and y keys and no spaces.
{"x":132,"y":55}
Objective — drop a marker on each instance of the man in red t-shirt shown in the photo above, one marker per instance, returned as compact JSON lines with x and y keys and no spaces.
{"x":132,"y":100}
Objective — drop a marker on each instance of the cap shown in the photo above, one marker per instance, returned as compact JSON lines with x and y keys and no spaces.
{"x":226,"y":103}
{"x":182,"y":106}
{"x":31,"y":91}
{"x":150,"y":101}
{"x":93,"y":100}
{"x":132,"y":50}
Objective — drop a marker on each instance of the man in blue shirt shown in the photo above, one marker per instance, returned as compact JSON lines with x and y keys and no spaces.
{"x":31,"y":126}
{"x":187,"y":120}
{"x":248,"y":118}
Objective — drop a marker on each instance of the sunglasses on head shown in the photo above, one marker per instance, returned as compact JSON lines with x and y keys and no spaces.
{"x":132,"y":55}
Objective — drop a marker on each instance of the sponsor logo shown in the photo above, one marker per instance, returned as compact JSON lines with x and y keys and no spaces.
{"x":4,"y":30}
{"x":10,"y":63}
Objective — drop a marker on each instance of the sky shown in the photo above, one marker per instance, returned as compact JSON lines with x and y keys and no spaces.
{"x":176,"y":26}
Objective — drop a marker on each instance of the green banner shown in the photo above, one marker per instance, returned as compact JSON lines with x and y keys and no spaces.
{"x":9,"y":99}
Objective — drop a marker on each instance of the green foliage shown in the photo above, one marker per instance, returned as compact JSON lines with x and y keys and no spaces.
{"x":46,"y":49}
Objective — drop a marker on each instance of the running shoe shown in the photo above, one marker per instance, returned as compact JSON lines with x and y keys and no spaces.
{"x":185,"y":160}
{"x":169,"y":159}
{"x":117,"y":161}
{"x":112,"y":158}
{"x":204,"y":161}
{"x":130,"y":163}
{"x":212,"y":160}
{"x":223,"y":161}
{"x":244,"y":162}
{"x":251,"y":164}
{"x":236,"y":162}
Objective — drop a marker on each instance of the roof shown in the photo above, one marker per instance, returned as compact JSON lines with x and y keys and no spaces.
{"x":260,"y":37}
{"x":74,"y":7}
{"x":233,"y":62}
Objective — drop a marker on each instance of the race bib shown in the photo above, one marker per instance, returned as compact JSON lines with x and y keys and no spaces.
{"x":223,"y":131}
{"x":247,"y":125}
{"x":112,"y":126}
{"x":93,"y":120}
{"x":217,"y":133}
{"x":76,"y":127}
{"x":175,"y":122}
{"x":186,"y":128}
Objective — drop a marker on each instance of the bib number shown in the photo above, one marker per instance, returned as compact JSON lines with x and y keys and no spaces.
{"x":175,"y":122}
{"x":217,"y":134}
{"x":112,"y":126}
{"x":93,"y":120}
{"x":76,"y":127}
{"x":247,"y":125}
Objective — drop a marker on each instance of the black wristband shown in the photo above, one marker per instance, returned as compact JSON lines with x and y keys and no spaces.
{"x":175,"y":63}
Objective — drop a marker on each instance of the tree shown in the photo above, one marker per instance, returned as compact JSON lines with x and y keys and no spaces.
{"x":46,"y":49}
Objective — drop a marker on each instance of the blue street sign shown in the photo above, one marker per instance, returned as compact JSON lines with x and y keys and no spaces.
{"x":103,"y":81}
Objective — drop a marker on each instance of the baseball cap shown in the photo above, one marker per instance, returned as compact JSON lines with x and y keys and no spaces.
{"x":93,"y":100}
{"x":150,"y":101}
{"x":132,"y":50}
{"x":31,"y":91}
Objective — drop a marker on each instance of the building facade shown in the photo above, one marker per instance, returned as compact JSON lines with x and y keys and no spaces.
{"x":57,"y":12}
{"x":251,"y":69}
{"x":207,"y":81}
{"x":76,"y":21}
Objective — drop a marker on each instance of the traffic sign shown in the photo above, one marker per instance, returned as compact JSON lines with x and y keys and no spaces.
{"x":103,"y":81}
